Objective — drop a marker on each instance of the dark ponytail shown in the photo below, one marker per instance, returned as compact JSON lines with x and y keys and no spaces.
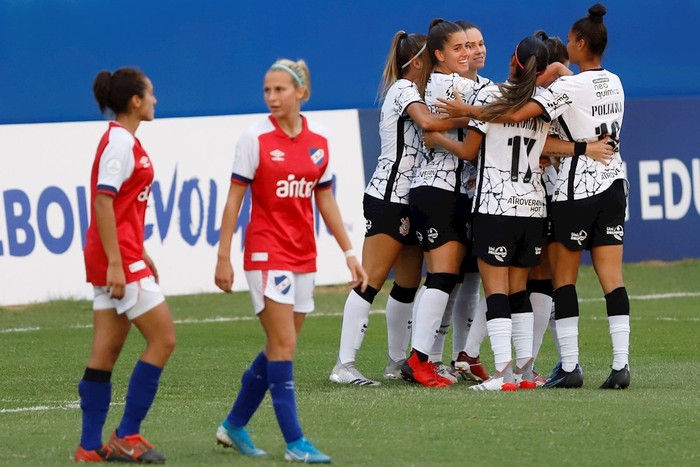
{"x":113,"y":91}
{"x":592,"y":30}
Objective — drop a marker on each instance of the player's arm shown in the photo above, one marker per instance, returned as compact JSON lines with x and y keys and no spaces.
{"x":107,"y":229}
{"x":467,"y":149}
{"x":429,"y":121}
{"x":454,"y":108}
{"x":151,"y":265}
{"x":601,"y":150}
{"x":223,"y":276}
{"x":327,"y":206}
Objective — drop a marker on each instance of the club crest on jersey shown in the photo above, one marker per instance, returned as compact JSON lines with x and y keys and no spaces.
{"x":579,"y":237}
{"x":498,"y":252}
{"x":277,"y":155}
{"x":145,"y":161}
{"x":283,"y":284}
{"x":432,"y":234}
{"x":405,"y":226}
{"x":618,"y":232}
{"x":317,"y":155}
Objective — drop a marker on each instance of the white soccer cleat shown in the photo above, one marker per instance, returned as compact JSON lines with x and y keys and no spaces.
{"x":348,"y":374}
{"x":444,"y":371}
{"x":393,"y":369}
{"x":495,"y":384}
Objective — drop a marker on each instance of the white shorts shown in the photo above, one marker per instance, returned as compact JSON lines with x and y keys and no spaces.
{"x":282,"y":287}
{"x":139,"y":297}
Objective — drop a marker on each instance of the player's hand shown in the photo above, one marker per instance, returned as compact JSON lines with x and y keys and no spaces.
{"x":431,"y":139}
{"x":152,"y":266}
{"x":223,"y":277}
{"x":602,"y":150}
{"x":451,"y":108}
{"x":116,"y":281}
{"x":359,"y":276}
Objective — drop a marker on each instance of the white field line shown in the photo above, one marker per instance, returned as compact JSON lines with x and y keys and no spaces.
{"x":68,"y":405}
{"x":320,"y":314}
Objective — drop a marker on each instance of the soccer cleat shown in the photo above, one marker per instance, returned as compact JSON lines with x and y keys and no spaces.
{"x":103,"y":454}
{"x":230,"y":436}
{"x":539,"y":379}
{"x":445,"y":372}
{"x":618,"y":379}
{"x":525,"y":377}
{"x":136,"y":448}
{"x":566,"y":379}
{"x":393,"y":369}
{"x":302,"y":450}
{"x":503,"y":381}
{"x":424,"y":373}
{"x":470,"y":368}
{"x":524,"y":383}
{"x":555,"y":370}
{"x":348,"y":374}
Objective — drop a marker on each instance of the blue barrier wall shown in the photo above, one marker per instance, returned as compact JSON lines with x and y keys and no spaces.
{"x":208,"y":57}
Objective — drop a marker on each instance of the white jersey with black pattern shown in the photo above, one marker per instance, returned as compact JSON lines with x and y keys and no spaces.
{"x":586,"y":107}
{"x":439,"y":168}
{"x":401,"y":144}
{"x":510,"y":178}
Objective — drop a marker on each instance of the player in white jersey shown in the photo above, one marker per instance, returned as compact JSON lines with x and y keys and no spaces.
{"x":589,"y":202}
{"x":390,"y":240}
{"x":439,"y":206}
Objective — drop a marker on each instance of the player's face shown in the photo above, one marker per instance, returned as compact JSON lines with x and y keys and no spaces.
{"x":147,"y":106}
{"x":454,"y":56}
{"x":475,"y":41}
{"x":281,"y":96}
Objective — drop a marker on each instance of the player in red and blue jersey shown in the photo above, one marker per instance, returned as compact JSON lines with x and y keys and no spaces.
{"x":124,"y":277}
{"x":284,"y":161}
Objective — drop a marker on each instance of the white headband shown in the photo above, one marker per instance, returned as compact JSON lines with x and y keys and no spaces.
{"x":415,"y":56}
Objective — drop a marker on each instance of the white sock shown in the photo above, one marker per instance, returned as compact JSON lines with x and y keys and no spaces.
{"x":553,"y":332}
{"x":464,"y":310}
{"x":477,"y":332}
{"x":398,"y":327}
{"x":620,"y":335}
{"x":355,"y":321}
{"x":522,"y":338}
{"x":414,"y":310}
{"x":567,"y":335}
{"x":428,"y":318}
{"x":542,"y":310}
{"x":500,"y":332}
{"x":439,"y":344}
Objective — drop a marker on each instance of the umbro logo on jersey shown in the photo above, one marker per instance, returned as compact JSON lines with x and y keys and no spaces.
{"x":277,"y":155}
{"x":405,"y":226}
{"x":579,"y":237}
{"x":145,"y":161}
{"x":618,"y":232}
{"x":283,"y":284}
{"x":498,"y":252}
{"x":317,"y":155}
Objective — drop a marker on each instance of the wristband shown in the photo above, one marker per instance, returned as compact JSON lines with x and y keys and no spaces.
{"x":349,"y":253}
{"x":579,"y":149}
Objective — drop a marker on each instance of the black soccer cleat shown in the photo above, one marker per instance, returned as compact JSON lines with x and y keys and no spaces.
{"x":618,"y":379}
{"x":566,"y":379}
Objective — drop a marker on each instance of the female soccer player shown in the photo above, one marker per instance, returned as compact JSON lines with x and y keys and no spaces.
{"x":390,"y":240}
{"x":589,"y":202}
{"x":439,"y":203}
{"x":284,"y":160}
{"x":124,"y":277}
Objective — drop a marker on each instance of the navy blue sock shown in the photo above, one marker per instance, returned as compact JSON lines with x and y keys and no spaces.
{"x":253,"y":388}
{"x":139,"y":397}
{"x":280,"y":375}
{"x":95,"y":392}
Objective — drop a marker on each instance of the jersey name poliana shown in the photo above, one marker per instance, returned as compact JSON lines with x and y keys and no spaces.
{"x":283,"y":174}
{"x":586,"y":107}
{"x":122,"y":170}
{"x":510,"y":179}
{"x":402,"y":143}
{"x":439,"y":168}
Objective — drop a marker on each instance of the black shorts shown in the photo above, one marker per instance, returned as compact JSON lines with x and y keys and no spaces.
{"x":509,"y":240}
{"x":439,"y":216}
{"x":590,"y":222}
{"x":388,"y":218}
